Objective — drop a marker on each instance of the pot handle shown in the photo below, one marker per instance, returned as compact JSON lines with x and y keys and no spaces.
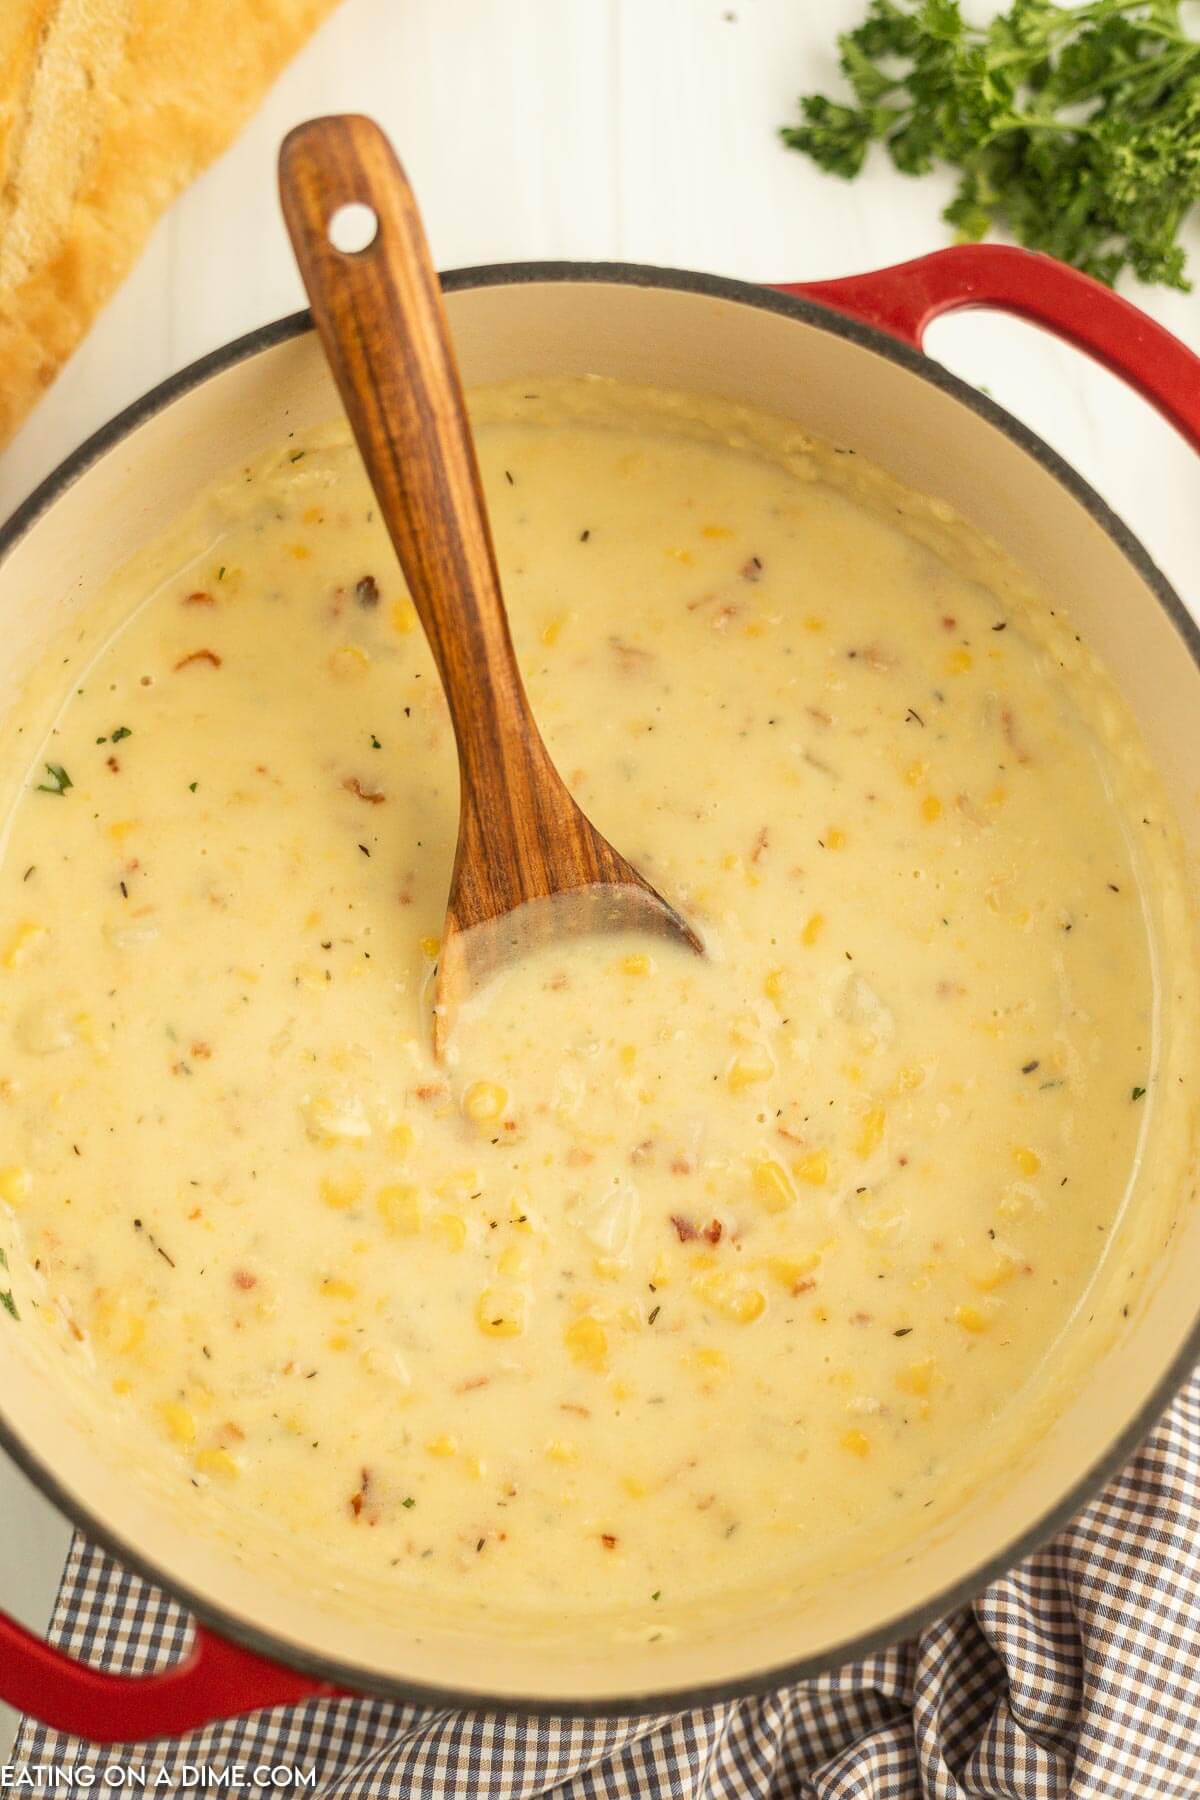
{"x":215,"y":1680}
{"x":904,"y":300}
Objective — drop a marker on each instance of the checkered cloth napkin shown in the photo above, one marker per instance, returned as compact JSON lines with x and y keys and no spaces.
{"x":1077,"y":1677}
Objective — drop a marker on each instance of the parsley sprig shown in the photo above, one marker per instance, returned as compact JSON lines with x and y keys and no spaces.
{"x":1076,"y":128}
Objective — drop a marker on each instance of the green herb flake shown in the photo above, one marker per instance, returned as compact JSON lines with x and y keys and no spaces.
{"x":9,"y":1304}
{"x":408,"y":1501}
{"x":295,"y":456}
{"x":3,"y":1259}
{"x":1137,"y":1093}
{"x":1075,"y":128}
{"x":59,"y":780}
{"x":375,"y":743}
{"x":192,"y":786}
{"x":221,"y":573}
{"x":122,"y":731}
{"x":657,"y":1594}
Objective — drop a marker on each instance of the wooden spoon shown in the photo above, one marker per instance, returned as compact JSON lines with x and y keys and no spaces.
{"x":529,"y":866}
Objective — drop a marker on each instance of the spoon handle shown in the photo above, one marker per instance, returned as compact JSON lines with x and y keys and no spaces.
{"x":383,"y":327}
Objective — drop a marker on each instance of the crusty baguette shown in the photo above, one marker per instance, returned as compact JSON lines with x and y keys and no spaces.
{"x":107,"y":109}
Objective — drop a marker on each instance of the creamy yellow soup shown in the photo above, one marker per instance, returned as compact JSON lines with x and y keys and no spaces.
{"x":683,"y":1277}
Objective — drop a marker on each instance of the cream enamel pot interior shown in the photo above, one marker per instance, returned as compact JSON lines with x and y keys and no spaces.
{"x":860,"y":385}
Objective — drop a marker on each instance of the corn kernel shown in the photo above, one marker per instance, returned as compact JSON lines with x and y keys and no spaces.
{"x":511,"y":1262}
{"x":215,"y":1462}
{"x":341,"y":1192}
{"x":708,"y":1358}
{"x":1028,"y":1161}
{"x":399,"y":1207}
{"x":349,"y":660}
{"x":812,"y":1168}
{"x":22,"y":943}
{"x":16,"y":1185}
{"x":561,"y":1451}
{"x":119,"y":1326}
{"x":813,"y":623}
{"x":871,"y":1135}
{"x":970,"y":1319}
{"x":1013,"y":1206}
{"x":451,"y":1229}
{"x":681,"y":556}
{"x":715,"y":531}
{"x":772,"y":1186}
{"x":628,"y":1055}
{"x":180,"y":1423}
{"x":400,"y":1138}
{"x":484,"y":1102}
{"x":430,"y":947}
{"x":744,"y":1071}
{"x":636,"y":1489}
{"x":587,"y":1341}
{"x":638,"y":964}
{"x":835,"y":838}
{"x":773,"y":984}
{"x":404,"y":617}
{"x":995,"y":1273}
{"x":121,"y":1386}
{"x":915,"y":774}
{"x":338,"y":1341}
{"x":790,"y":1271}
{"x":500,"y":1315}
{"x":814,"y":926}
{"x":931,"y":808}
{"x":731,"y":1298}
{"x":444,"y":1445}
{"x":918,"y":1377}
{"x":552,"y":629}
{"x":909,"y":1079}
{"x":120,"y":829}
{"x":958,"y":662}
{"x":855,"y":1442}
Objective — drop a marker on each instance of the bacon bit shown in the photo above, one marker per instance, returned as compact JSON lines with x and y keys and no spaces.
{"x":208,"y":656}
{"x":712,"y":1231}
{"x":760,"y":845}
{"x":430,"y":1090}
{"x":969,"y":810}
{"x":356,"y":1504}
{"x":608,"y":1540}
{"x":723,"y":615}
{"x":874,"y":657}
{"x":805,"y":1286}
{"x":372,"y":796}
{"x":180,"y":1068}
{"x":860,"y":1318}
{"x":695,"y":605}
{"x":196,"y":1213}
{"x":73,"y":1328}
{"x":244,"y":1280}
{"x":585,"y":1412}
{"x":476,"y":1381}
{"x":199,"y":598}
{"x":684,"y":1228}
{"x":703,"y":1505}
{"x":752,"y":570}
{"x":643,"y":1152}
{"x":818,"y":713}
{"x":682,"y":1165}
{"x":950,"y":990}
{"x":201,"y":1051}
{"x":230,"y":1430}
{"x":579,"y":1158}
{"x":793,"y":1137}
{"x":1011,"y":737}
{"x":630,"y":656}
{"x":557,"y":983}
{"x":949,"y":622}
{"x":366,"y":592}
{"x":112,"y":763}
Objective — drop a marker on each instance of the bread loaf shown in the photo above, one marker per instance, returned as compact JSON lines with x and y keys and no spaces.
{"x":107,"y":109}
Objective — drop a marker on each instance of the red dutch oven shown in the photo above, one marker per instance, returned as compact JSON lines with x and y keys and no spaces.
{"x":844,"y":359}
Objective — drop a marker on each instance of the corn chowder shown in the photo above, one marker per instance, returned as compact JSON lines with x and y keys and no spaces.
{"x":683,"y":1276}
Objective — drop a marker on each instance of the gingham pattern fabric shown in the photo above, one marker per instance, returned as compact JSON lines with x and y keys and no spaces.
{"x":1076,"y":1677}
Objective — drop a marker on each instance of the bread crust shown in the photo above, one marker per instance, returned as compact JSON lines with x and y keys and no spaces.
{"x":107,"y":109}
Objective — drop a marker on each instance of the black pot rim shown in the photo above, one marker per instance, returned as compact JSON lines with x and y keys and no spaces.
{"x":643,"y":1704}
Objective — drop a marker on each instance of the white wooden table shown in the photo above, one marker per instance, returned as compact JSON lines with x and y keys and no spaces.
{"x":635,"y":130}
